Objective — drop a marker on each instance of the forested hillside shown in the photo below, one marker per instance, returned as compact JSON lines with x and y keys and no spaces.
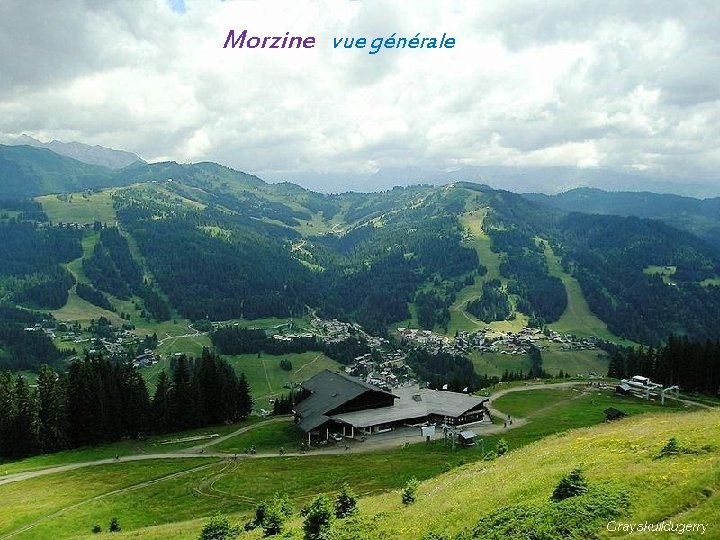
{"x":700,"y":217}
{"x":203,"y":241}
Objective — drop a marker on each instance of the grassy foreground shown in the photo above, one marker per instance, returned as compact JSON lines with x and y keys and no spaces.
{"x":618,"y":456}
{"x":171,"y":498}
{"x":622,"y":454}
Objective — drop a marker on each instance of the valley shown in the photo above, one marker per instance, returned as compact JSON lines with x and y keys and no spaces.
{"x":463,"y":287}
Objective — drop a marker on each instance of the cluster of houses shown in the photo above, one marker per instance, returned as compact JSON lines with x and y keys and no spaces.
{"x":493,"y":341}
{"x":387,"y":372}
{"x":38,"y":327}
{"x":336,"y":331}
{"x":145,"y":359}
{"x":426,"y":339}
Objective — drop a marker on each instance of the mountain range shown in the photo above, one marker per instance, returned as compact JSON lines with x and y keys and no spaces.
{"x":519,"y":179}
{"x":203,"y":241}
{"x":92,"y":155}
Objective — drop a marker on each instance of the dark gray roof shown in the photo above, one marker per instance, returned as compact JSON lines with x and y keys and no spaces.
{"x":414,"y":403}
{"x":329,"y":391}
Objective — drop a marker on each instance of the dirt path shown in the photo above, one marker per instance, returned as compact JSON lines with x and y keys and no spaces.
{"x":195,"y":333}
{"x":201,"y":447}
{"x":311,"y":362}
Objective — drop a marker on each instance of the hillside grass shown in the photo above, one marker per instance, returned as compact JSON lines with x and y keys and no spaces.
{"x":80,"y":207}
{"x":460,"y":319}
{"x":614,"y":456}
{"x":37,"y":498}
{"x":667,"y":272}
{"x":494,"y":364}
{"x":268,"y":438}
{"x":77,"y":309}
{"x":174,"y":506}
{"x":576,"y":363}
{"x":267,"y":378}
{"x":153,"y":444}
{"x":577,"y":318}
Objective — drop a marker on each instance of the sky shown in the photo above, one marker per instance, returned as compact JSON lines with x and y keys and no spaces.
{"x":631,"y":86}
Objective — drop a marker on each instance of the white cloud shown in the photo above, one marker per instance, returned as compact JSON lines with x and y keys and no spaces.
{"x":624,"y":85}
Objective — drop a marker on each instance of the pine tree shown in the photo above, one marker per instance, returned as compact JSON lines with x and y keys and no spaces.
{"x":8,"y":407}
{"x":182,"y":396}
{"x":52,"y":410}
{"x":245,"y":400}
{"x":135,"y":401}
{"x":210,"y":383}
{"x":23,"y":431}
{"x":85,"y":397}
{"x":161,"y":412}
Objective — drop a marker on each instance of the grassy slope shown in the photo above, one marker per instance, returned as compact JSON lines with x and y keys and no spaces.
{"x":266,"y":439}
{"x":77,"y":309}
{"x":682,"y":488}
{"x":266,"y":378}
{"x":82,"y":208}
{"x":495,"y":364}
{"x":40,"y":497}
{"x":264,"y":374}
{"x":459,"y":318}
{"x":236,"y":488}
{"x":576,"y":363}
{"x":577,"y":318}
{"x":154,"y":444}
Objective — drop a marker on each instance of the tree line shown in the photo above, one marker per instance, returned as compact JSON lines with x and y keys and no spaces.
{"x":692,"y":365}
{"x":25,"y":349}
{"x":30,"y":266}
{"x":493,"y":305}
{"x":112,"y":268}
{"x":98,"y":401}
{"x":237,"y":340}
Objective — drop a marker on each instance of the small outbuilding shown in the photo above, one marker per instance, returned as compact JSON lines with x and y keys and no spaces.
{"x":466,"y":438}
{"x":623,"y":389}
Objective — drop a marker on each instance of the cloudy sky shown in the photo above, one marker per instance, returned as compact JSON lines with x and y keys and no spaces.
{"x":631,"y":86}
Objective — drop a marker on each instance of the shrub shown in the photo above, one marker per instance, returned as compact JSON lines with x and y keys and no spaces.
{"x":218,"y":528}
{"x":409,"y":492}
{"x":114,"y":525}
{"x":502,"y":447}
{"x":490,"y":456}
{"x":345,"y":503}
{"x":572,"y":485}
{"x":672,"y":447}
{"x":273,"y":521}
{"x":318,"y":518}
{"x":286,"y":364}
{"x":96,"y":529}
{"x":271,"y":515}
{"x":576,"y":517}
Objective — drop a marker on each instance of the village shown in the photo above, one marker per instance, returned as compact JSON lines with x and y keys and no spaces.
{"x":488,"y":340}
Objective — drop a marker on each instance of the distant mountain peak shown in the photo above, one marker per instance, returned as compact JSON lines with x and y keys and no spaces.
{"x":92,"y":155}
